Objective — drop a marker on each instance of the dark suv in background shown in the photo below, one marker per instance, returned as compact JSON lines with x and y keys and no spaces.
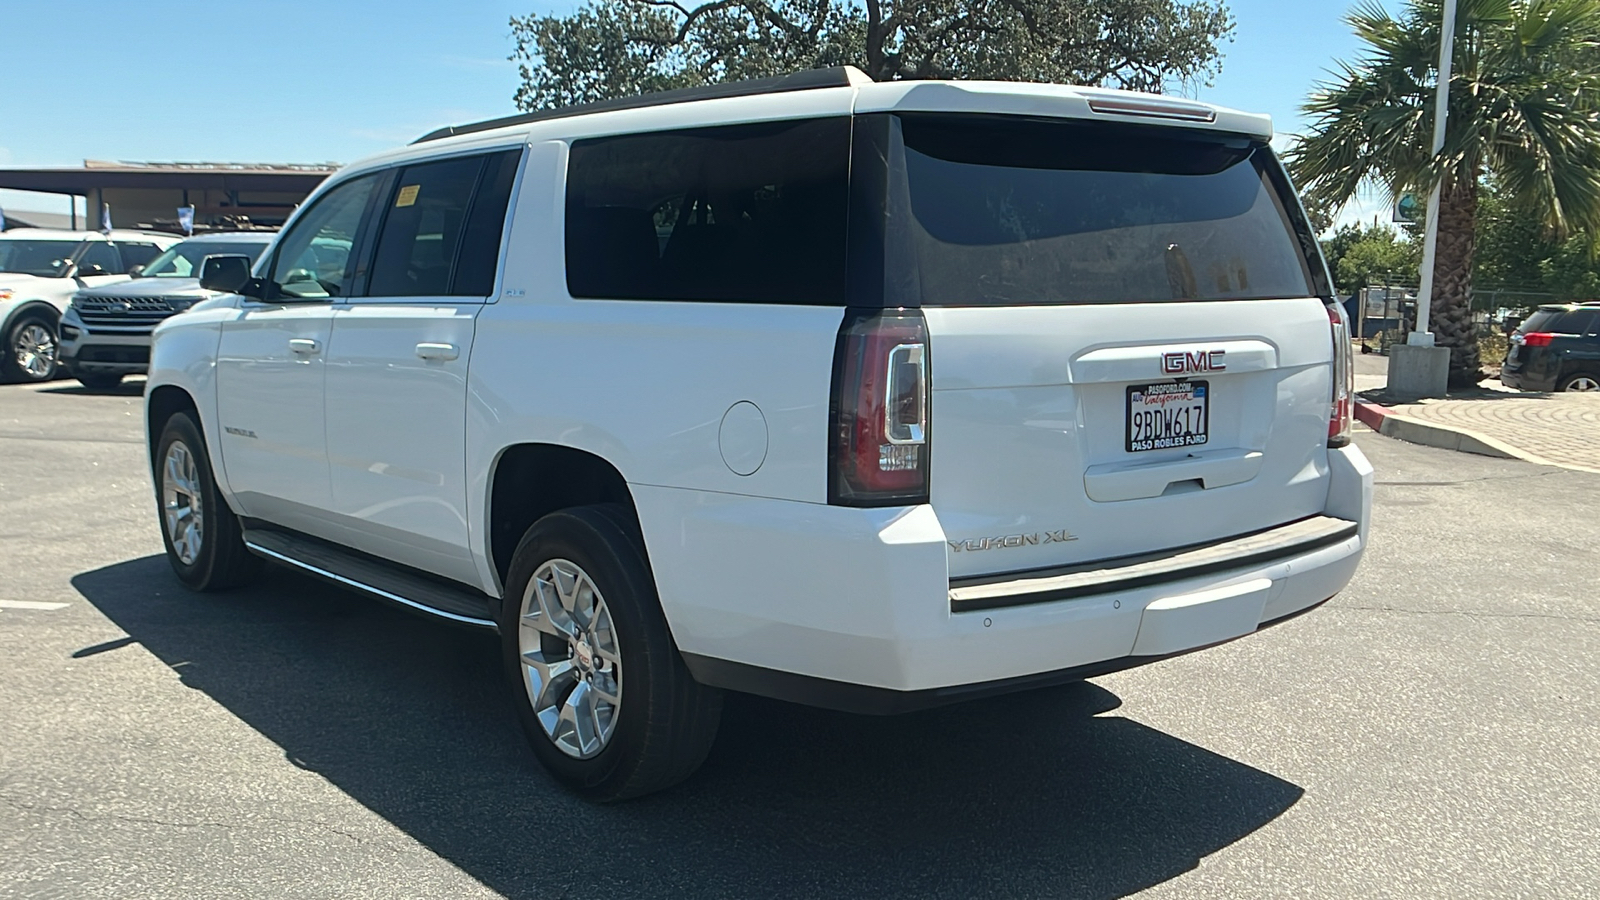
{"x":1556,"y":349}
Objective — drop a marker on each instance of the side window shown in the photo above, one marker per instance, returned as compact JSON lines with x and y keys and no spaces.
{"x":100,"y":258}
{"x":741,"y":212}
{"x":421,"y":228}
{"x":313,"y":257}
{"x":137,"y":254}
{"x":1579,"y":321}
{"x":480,"y":243}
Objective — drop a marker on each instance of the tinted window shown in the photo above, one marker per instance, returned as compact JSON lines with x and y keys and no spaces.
{"x":421,"y":227}
{"x":137,"y":254}
{"x":480,"y":243}
{"x":1579,"y":321}
{"x":313,"y":257}
{"x":100,"y":254}
{"x":1008,"y":211}
{"x":47,"y":259}
{"x":741,"y":212}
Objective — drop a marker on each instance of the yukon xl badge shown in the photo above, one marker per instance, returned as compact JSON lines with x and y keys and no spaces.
{"x":1013,"y":540}
{"x":1178,"y":362}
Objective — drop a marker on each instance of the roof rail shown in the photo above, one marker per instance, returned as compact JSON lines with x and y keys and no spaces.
{"x":813,"y":79}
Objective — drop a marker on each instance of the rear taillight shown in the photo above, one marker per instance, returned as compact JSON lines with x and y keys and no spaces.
{"x":1534,"y":338}
{"x":1339,"y":425}
{"x":879,"y":450}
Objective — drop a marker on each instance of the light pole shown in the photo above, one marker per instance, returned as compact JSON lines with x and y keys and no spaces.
{"x":1422,"y":337}
{"x":1417,"y":368}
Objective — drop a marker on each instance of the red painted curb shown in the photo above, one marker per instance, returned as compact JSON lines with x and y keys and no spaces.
{"x":1371,"y":414}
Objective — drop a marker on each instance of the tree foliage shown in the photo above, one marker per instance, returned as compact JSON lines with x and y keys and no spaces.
{"x":1359,"y":257}
{"x":1524,"y":109}
{"x":1515,"y":253}
{"x":617,"y":48}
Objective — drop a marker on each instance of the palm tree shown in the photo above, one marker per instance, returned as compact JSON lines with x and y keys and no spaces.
{"x":1524,"y":111}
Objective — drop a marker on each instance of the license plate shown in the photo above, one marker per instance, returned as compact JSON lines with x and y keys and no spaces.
{"x":1167,"y":415}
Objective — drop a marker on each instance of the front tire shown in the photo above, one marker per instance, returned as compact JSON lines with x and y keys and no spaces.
{"x":99,"y":381}
{"x":204,"y":540}
{"x":30,"y":352}
{"x":601,"y":691}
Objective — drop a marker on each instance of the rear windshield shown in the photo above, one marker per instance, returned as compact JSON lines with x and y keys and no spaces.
{"x":1007,"y":211}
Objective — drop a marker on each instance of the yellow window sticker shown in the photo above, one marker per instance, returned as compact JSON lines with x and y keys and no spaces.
{"x":408,"y":195}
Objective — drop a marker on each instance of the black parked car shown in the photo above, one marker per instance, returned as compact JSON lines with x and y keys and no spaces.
{"x":1556,"y":349}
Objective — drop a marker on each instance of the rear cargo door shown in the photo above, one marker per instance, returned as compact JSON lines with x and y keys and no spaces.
{"x":1127,"y":349}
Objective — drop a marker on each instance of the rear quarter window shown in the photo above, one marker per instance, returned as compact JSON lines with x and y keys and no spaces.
{"x":754,"y":213}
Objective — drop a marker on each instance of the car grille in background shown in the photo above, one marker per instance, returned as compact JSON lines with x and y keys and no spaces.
{"x":129,"y":312}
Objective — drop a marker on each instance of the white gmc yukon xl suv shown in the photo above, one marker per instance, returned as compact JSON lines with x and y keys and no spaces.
{"x":868,"y":396}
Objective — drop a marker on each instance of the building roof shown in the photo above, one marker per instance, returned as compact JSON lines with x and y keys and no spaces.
{"x":180,"y":175}
{"x":63,"y":234}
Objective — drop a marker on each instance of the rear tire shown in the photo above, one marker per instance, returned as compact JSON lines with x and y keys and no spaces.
{"x":30,"y":350}
{"x":99,"y":381}
{"x":601,"y":691}
{"x":204,"y":540}
{"x":1580,"y":381}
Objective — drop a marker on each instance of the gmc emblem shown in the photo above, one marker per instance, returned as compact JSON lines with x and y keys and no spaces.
{"x":1204,"y":361}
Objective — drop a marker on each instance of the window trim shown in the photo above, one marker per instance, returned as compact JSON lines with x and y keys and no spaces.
{"x":366,"y":246}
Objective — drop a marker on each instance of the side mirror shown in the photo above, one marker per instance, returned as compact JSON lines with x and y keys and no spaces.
{"x":136,"y":271}
{"x":225,"y":274}
{"x":88,"y":270}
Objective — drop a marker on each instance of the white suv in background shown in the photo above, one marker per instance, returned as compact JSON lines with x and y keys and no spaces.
{"x":105,"y":332}
{"x":40,"y":270}
{"x":870,"y":396}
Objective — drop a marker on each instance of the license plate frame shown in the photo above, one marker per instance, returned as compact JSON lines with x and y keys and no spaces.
{"x":1187,"y":400}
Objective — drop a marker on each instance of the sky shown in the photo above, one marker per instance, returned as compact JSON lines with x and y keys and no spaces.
{"x":308,"y":82}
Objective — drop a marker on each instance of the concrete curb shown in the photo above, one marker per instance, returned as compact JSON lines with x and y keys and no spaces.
{"x":1388,"y":423}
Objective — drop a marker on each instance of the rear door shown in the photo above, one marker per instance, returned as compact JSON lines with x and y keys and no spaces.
{"x":1127,"y":349}
{"x":397,"y":363}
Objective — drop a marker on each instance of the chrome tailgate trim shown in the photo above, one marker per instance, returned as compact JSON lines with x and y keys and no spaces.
{"x":1143,"y":570}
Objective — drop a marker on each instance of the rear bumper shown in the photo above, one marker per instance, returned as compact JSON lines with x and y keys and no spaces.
{"x":852,"y":608}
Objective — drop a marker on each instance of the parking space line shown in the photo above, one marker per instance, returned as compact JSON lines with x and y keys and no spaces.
{"x":30,"y":604}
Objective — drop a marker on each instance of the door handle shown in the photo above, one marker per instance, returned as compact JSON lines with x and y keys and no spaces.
{"x":304,"y":346}
{"x":428,"y":350}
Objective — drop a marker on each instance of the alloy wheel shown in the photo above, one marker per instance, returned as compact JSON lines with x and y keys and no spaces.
{"x":180,"y":502}
{"x":1584,"y":383}
{"x":35,"y":350}
{"x":572,"y":664}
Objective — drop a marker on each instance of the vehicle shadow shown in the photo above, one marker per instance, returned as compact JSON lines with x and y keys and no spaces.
{"x":73,"y":388}
{"x":1035,"y":794}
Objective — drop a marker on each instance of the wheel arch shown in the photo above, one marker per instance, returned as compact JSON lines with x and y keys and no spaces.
{"x":43,"y":307}
{"x":162,"y":403}
{"x":1571,"y":368}
{"x":530,"y":480}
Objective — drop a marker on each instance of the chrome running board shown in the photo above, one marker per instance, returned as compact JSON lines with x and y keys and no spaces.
{"x":414,"y":591}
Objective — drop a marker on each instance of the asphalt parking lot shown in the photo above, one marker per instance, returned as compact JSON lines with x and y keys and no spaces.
{"x":1432,"y":732}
